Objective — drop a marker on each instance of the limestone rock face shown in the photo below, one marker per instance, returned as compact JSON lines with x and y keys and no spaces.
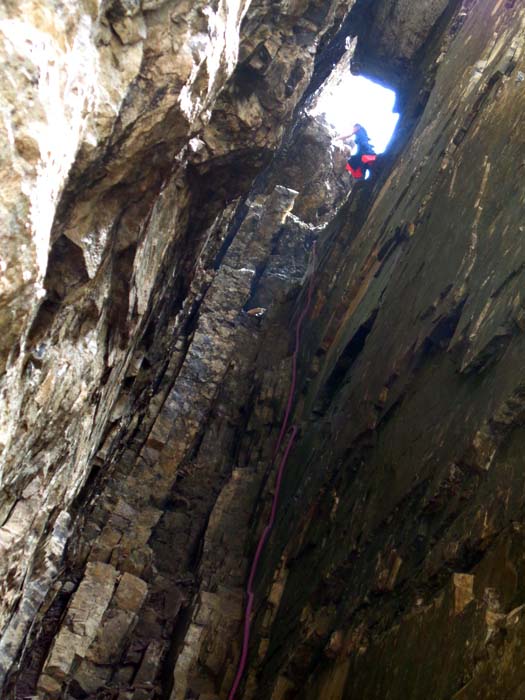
{"x":398,"y":552}
{"x":311,"y":157}
{"x":129,"y":131}
{"x":166,"y":206}
{"x":400,"y":31}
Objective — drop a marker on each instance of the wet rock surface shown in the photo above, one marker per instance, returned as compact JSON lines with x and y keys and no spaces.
{"x":158,"y":250}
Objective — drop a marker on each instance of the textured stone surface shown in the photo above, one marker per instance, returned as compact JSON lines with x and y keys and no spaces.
{"x":401,"y":30}
{"x":405,"y":495}
{"x":148,"y":295}
{"x":117,"y":128}
{"x":311,"y":157}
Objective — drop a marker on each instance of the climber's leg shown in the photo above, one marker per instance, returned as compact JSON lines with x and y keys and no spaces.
{"x":357,"y":173}
{"x":354,"y":166}
{"x":369,"y":161}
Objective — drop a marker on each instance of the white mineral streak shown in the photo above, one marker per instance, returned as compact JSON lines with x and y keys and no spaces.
{"x":216,"y":52}
{"x":60,"y":92}
{"x":65,"y":95}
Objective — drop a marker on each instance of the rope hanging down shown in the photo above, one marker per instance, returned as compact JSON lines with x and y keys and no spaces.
{"x":280,"y":471}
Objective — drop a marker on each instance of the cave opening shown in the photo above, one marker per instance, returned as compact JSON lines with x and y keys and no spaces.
{"x":355,"y":99}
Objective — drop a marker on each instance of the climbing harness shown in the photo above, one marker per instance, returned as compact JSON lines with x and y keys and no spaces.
{"x":280,"y":471}
{"x":358,"y":172}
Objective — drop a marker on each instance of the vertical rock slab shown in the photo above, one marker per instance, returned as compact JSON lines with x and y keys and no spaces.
{"x":106,"y":212}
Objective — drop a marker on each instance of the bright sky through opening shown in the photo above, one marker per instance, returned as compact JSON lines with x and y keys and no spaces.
{"x":357,"y":99}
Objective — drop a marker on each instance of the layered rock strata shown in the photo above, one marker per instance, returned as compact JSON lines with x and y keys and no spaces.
{"x":148,"y":523}
{"x":405,"y":498}
{"x":130,"y":132}
{"x":147,"y":302}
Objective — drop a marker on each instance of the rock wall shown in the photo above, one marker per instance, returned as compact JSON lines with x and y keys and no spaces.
{"x":131,"y":132}
{"x":398,"y":552}
{"x":153,"y":270}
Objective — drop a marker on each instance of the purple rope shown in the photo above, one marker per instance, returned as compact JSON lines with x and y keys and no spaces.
{"x":280,"y":471}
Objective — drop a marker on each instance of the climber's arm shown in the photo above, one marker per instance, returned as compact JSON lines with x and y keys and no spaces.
{"x":347,"y":140}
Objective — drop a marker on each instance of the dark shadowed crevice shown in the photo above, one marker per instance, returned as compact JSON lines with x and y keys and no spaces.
{"x":440,"y":335}
{"x":342,"y":367}
{"x":66,"y":271}
{"x":121,"y":275}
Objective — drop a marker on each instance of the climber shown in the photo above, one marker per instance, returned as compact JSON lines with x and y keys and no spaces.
{"x":359,"y":163}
